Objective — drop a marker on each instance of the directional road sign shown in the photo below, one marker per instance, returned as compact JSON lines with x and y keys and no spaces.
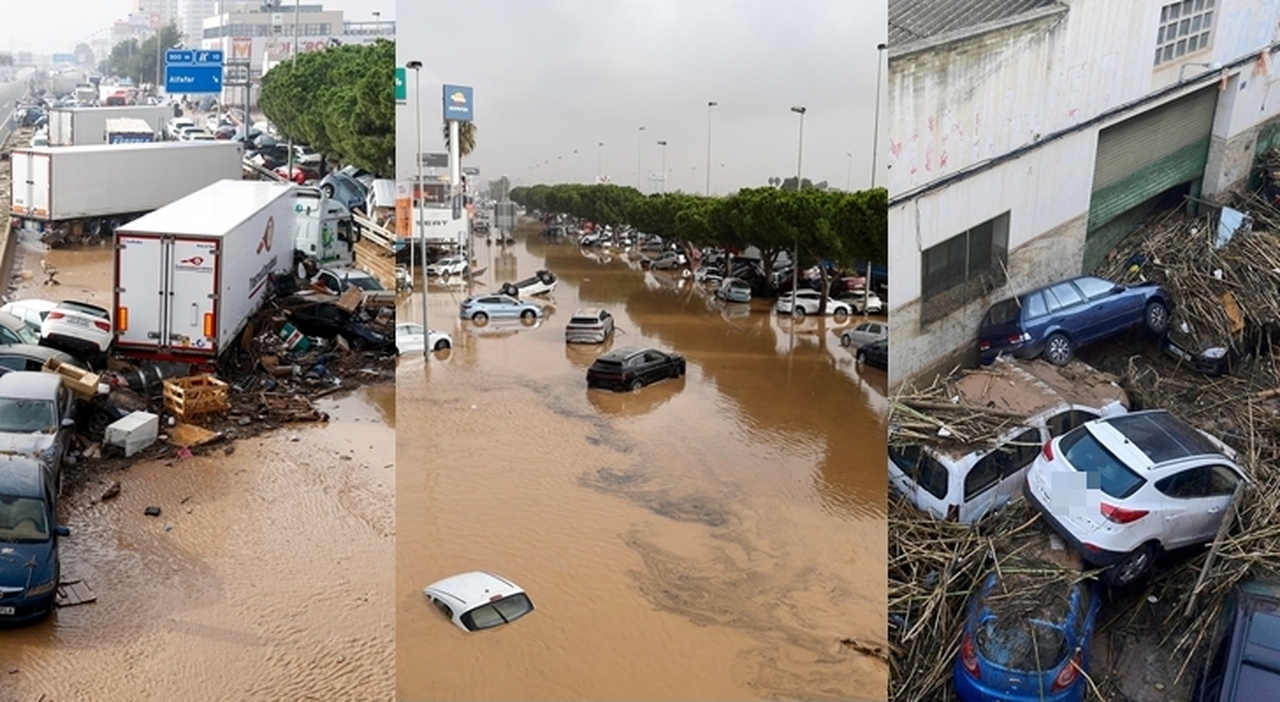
{"x":402,"y":91}
{"x":192,"y":71}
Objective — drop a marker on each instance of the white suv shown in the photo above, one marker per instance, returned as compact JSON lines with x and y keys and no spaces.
{"x":80,"y":329}
{"x":1123,"y":489}
{"x":449,"y":265}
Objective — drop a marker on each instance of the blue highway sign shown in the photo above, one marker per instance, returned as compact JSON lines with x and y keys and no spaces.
{"x":192,"y":71}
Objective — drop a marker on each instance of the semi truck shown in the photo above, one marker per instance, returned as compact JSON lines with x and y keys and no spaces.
{"x":189,"y":276}
{"x":129,"y":130}
{"x":70,"y":194}
{"x":81,"y":126}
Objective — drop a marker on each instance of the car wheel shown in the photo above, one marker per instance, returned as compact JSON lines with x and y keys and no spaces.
{"x":528,"y":315}
{"x":357,"y":343}
{"x":1057,"y":350}
{"x":798,"y":312}
{"x":1156,"y":317}
{"x":635,"y":384}
{"x":861,"y":356}
{"x":845,"y":340}
{"x":480,"y":318}
{"x":1132,"y":568}
{"x":841,"y":314}
{"x":327,"y":190}
{"x":441,"y":345}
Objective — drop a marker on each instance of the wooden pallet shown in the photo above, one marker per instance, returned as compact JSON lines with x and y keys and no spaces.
{"x":196,"y":395}
{"x":74,"y":592}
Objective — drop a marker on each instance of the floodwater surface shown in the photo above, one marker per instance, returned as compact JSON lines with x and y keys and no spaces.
{"x":717,"y":536}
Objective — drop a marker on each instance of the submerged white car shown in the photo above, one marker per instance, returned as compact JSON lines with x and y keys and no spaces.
{"x":449,"y":265}
{"x":479,"y":600}
{"x":410,"y":339}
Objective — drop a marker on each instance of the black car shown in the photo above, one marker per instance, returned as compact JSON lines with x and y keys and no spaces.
{"x":326,"y":321}
{"x":1245,"y":662}
{"x":875,"y":354}
{"x":631,"y":368}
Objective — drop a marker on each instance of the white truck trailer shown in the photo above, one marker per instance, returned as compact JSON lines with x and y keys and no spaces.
{"x":73,"y":193}
{"x":82,"y":126}
{"x":190,"y":275}
{"x":129,"y":130}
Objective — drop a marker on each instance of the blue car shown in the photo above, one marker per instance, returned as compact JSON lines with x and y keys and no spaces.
{"x":29,"y":531}
{"x":1058,"y":318}
{"x":480,"y":308}
{"x":1245,"y":661}
{"x":1026,"y":641}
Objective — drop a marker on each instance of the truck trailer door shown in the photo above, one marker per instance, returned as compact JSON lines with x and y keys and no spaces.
{"x":30,"y":184}
{"x":193,"y":296}
{"x":166,"y":294}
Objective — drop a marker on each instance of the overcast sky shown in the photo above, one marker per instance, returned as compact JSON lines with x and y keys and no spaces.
{"x":552,"y":76}
{"x":48,"y":26}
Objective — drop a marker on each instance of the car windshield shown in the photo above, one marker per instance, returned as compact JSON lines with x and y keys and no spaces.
{"x":1022,"y":625}
{"x":409,"y":330}
{"x":25,"y":416}
{"x":366,"y":283}
{"x":507,"y":609}
{"x":27,"y":335}
{"x":1104,"y":471}
{"x":1003,"y":312}
{"x":23,"y":520}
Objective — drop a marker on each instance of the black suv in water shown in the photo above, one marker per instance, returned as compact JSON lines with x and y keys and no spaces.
{"x":632,"y":368}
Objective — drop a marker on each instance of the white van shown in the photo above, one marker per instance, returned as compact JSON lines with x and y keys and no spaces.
{"x":955,"y":481}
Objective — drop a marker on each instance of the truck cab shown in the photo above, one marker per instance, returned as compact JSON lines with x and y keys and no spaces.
{"x":322,"y":234}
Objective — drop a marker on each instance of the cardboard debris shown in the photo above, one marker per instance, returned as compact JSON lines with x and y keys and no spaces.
{"x":75,"y":592}
{"x":350,"y":300}
{"x":1232,"y":308}
{"x":78,"y":380}
{"x":188,"y":435}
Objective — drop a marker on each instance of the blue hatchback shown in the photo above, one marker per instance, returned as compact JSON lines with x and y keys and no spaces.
{"x":1058,"y":318}
{"x":1027,"y":640}
{"x":29,"y":531}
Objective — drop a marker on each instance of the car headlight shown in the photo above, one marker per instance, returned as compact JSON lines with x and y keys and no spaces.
{"x":42,"y":588}
{"x":1215,"y":353}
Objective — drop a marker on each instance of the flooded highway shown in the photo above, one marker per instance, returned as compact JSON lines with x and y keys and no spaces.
{"x":717,"y":536}
{"x":265,"y":576}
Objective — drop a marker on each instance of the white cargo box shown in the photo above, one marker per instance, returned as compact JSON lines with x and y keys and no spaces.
{"x":134,"y":432}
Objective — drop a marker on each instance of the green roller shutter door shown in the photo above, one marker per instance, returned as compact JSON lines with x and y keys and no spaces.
{"x":1150,"y":153}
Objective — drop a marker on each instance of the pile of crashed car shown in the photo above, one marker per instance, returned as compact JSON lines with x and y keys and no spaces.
{"x":1039,"y":473}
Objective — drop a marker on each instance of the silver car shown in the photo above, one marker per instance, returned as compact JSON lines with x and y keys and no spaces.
{"x":864,"y":333}
{"x":36,"y":418}
{"x":589,"y":325}
{"x":480,"y":308}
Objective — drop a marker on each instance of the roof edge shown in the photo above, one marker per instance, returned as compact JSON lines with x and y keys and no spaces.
{"x":975,"y":31}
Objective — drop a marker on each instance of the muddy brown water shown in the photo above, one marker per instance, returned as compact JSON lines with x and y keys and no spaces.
{"x":716,"y":536}
{"x":266,"y":575}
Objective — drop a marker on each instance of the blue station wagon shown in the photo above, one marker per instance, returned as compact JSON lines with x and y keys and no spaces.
{"x":1058,"y":318}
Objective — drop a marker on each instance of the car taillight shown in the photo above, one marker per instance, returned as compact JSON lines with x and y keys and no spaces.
{"x":102,"y":324}
{"x":1048,"y":450}
{"x":1091,"y":548}
{"x":1068,"y":674}
{"x":1019,"y":338}
{"x":1120,"y":515}
{"x":55,"y":315}
{"x":968,"y":656}
{"x":984,"y":345}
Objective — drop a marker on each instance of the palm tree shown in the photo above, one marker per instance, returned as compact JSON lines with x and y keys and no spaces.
{"x":466,"y":138}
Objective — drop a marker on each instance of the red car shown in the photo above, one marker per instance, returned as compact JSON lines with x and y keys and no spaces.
{"x":301,"y":174}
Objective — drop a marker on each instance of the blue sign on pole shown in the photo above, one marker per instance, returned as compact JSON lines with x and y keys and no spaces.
{"x":457,"y":103}
{"x":192,"y":71}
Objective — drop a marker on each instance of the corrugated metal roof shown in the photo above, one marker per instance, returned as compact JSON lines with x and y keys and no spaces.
{"x":911,"y":21}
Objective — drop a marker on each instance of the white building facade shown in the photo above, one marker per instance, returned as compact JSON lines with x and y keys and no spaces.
{"x":1027,"y":137}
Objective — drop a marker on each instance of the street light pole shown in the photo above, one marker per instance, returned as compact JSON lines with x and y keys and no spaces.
{"x":663,"y":144}
{"x":639,"y":170}
{"x":416,"y":66}
{"x":848,"y":177}
{"x":600,"y":162}
{"x":710,"y":104}
{"x":875,"y":139}
{"x":293,"y":56}
{"x":795,"y":252}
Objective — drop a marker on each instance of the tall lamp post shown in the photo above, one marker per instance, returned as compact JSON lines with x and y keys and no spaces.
{"x":710,"y":104}
{"x":663,"y":144}
{"x":293,"y":54}
{"x":848,"y":176}
{"x":638,"y":169}
{"x":875,"y":139}
{"x":795,"y":253}
{"x":416,"y":66}
{"x":600,"y":162}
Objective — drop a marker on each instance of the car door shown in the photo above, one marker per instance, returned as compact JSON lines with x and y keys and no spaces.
{"x":1106,"y":308}
{"x":1072,"y":312}
{"x":1188,"y":511}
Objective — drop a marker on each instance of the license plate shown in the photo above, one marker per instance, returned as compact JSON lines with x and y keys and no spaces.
{"x":78,"y":321}
{"x":6,"y":611}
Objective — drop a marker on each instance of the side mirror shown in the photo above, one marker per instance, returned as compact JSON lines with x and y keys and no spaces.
{"x":1117,"y":289}
{"x":68,"y":422}
{"x":62,"y":531}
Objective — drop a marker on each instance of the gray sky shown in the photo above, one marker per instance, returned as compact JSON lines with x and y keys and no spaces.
{"x":58,"y":25}
{"x":551,"y":76}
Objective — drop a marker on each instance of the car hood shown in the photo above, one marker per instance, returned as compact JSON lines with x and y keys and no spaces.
{"x":14,"y":558}
{"x":25,"y":444}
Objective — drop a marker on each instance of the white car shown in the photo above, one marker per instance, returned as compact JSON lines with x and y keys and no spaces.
{"x":541,"y":283}
{"x":864,"y":333}
{"x":173,"y":129}
{"x":449,"y":265}
{"x":1123,"y":489}
{"x":857,"y":299}
{"x":32,"y":312}
{"x":410,"y":339}
{"x":479,"y":600}
{"x":807,"y":302}
{"x":336,"y":281}
{"x":80,"y":329}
